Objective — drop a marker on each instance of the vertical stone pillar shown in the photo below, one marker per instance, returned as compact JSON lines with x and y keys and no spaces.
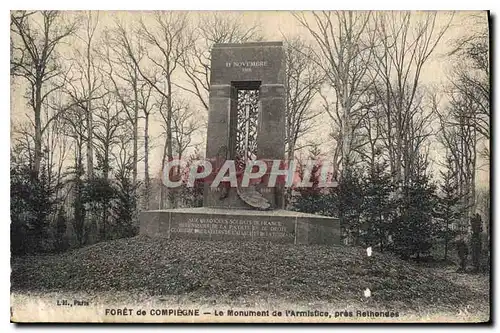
{"x":218,"y":120}
{"x":218,"y":129}
{"x":245,"y":66}
{"x":271,"y":135}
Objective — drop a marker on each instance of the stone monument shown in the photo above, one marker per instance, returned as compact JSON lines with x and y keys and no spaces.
{"x":246,"y":123}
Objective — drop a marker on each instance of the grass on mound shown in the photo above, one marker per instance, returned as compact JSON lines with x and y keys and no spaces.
{"x":238,"y":269}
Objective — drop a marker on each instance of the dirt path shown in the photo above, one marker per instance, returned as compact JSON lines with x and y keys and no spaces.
{"x":479,"y":283}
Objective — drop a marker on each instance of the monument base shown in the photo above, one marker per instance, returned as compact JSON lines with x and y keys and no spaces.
{"x":279,"y":226}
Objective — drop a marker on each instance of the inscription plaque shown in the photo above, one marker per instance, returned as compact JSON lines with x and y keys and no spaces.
{"x":233,"y":227}
{"x":279,"y":226}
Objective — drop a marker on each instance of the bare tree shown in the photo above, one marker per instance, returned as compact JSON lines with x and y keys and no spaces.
{"x":168,"y":38}
{"x":465,"y":122}
{"x":56,"y":146}
{"x":213,"y":28}
{"x":369,"y":146}
{"x":109,"y":120}
{"x":404,"y":45}
{"x":124,"y":160}
{"x":147,"y":105}
{"x":458,"y":134}
{"x":22,"y":145}
{"x":33,"y":58}
{"x":471,"y":76}
{"x":185,"y":123}
{"x":303,"y":82}
{"x":344,"y":47}
{"x":84,"y":87}
{"x":73,"y":123}
{"x":123,"y":54}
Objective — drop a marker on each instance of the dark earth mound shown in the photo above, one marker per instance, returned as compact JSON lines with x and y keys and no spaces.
{"x":239,"y":269}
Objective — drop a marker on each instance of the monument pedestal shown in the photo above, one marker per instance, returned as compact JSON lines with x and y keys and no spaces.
{"x":277,"y":226}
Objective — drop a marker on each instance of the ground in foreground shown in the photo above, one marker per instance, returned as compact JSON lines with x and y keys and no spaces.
{"x":250,"y":275}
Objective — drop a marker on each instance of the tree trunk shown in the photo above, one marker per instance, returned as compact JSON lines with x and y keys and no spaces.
{"x":473,"y":175}
{"x":168,"y":141}
{"x":162,"y":173}
{"x":106,"y":202}
{"x":146,"y":160}
{"x":288,"y":190}
{"x":399,"y":149}
{"x":346,"y":137}
{"x":135,"y":134}
{"x":38,"y":128}
{"x":446,"y":246}
{"x":90,"y":153}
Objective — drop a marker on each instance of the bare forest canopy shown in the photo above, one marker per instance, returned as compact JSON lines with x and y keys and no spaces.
{"x":191,"y":83}
{"x":108,"y":96}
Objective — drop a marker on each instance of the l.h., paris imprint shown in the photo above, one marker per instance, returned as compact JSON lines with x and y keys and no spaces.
{"x":255,"y":167}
